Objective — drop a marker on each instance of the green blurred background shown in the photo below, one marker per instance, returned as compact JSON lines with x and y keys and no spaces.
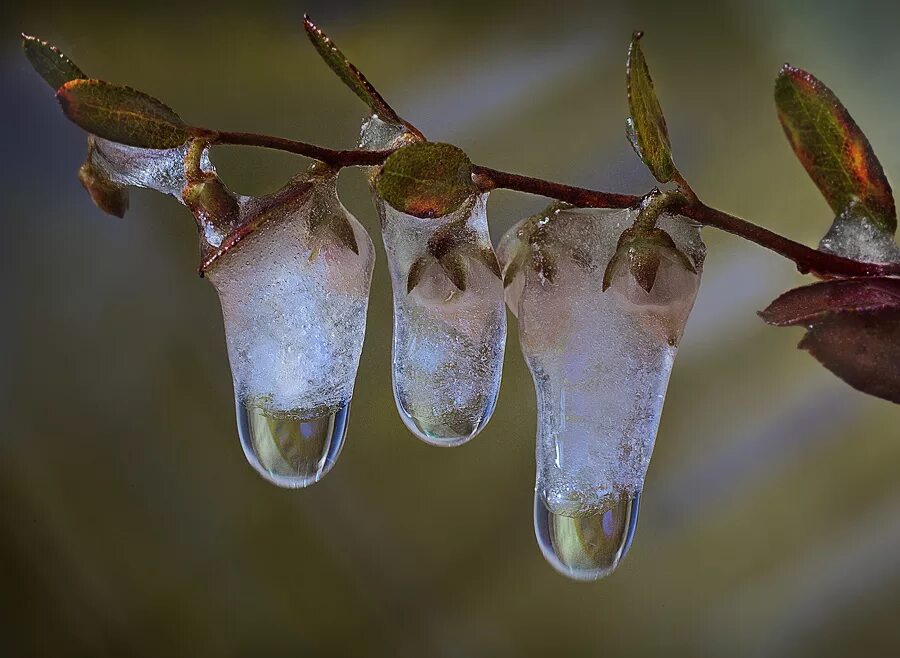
{"x":130,"y":523}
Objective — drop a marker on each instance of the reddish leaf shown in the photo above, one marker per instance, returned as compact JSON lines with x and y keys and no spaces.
{"x":807,"y":305}
{"x":832,"y":148}
{"x":862,"y":348}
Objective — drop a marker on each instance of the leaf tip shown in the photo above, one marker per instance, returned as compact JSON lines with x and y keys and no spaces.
{"x":637,"y":35}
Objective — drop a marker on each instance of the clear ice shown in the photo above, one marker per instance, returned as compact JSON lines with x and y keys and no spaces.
{"x":853,"y":235}
{"x":295,"y":317}
{"x":448,"y":343}
{"x":601,"y":364}
{"x":156,"y":169}
{"x":447,"y":354}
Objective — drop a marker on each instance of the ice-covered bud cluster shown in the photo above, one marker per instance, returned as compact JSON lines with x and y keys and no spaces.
{"x":600,"y":363}
{"x":293,"y":282}
{"x":449,"y":315}
{"x":449,"y":320}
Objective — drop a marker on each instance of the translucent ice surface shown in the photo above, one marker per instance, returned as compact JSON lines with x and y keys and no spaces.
{"x":448,"y":343}
{"x":294,"y":304}
{"x":601,"y":364}
{"x":852,"y":235}
{"x":156,"y":169}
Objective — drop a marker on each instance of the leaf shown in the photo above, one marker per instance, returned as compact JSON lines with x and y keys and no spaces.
{"x":832,"y":148}
{"x":809,"y":304}
{"x":862,"y":348}
{"x":514,"y":266}
{"x":349,"y":74}
{"x":50,"y":63}
{"x":487,"y":257}
{"x":643,"y":250}
{"x":416,"y":270}
{"x":427,"y":179}
{"x":454,"y":266}
{"x":109,"y":197}
{"x":646,"y":128}
{"x":342,"y":231}
{"x":853,"y":329}
{"x":122,"y":114}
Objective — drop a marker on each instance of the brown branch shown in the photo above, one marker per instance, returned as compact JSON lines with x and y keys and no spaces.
{"x":332,"y":157}
{"x":808,"y":260}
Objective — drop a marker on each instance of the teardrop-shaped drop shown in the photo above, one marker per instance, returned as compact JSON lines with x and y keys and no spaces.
{"x":287,"y":450}
{"x":591,"y":545}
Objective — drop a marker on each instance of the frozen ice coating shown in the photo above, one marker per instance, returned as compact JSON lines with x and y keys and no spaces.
{"x":156,"y":169}
{"x":854,"y":236}
{"x":294,"y":302}
{"x":448,"y":343}
{"x":376,"y":135}
{"x":601,"y":364}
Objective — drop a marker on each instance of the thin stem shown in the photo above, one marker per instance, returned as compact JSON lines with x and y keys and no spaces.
{"x":492,"y":178}
{"x":332,"y":157}
{"x":808,"y":260}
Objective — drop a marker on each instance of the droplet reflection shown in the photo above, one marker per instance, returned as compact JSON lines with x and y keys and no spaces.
{"x":590,"y":546}
{"x":291,"y":451}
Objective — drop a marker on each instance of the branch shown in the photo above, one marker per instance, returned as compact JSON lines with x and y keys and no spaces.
{"x":332,"y":157}
{"x":808,"y":260}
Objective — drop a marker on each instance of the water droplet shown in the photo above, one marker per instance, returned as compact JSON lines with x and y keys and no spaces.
{"x":289,"y":450}
{"x":589,"y":546}
{"x":448,"y":427}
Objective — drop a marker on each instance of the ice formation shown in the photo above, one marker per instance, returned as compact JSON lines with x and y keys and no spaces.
{"x":600,"y":363}
{"x":853,"y":235}
{"x":449,"y":315}
{"x":156,"y":169}
{"x":294,"y":300}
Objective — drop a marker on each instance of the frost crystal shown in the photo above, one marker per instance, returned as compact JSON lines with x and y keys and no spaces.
{"x":600,"y":361}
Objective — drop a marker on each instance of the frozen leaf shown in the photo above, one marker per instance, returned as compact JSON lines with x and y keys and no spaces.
{"x":416,"y":270}
{"x":832,"y":148}
{"x":50,"y":63}
{"x":644,"y":250}
{"x":646,"y":128}
{"x":122,"y":114}
{"x":454,"y":266}
{"x":426,"y":180}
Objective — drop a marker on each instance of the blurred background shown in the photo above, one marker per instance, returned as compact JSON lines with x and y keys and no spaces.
{"x":130,"y":523}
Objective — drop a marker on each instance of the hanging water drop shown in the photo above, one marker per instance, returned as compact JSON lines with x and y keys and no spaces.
{"x":287,"y":450}
{"x":590,"y":545}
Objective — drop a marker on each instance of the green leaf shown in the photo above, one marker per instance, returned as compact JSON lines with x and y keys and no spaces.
{"x":832,"y":148}
{"x":349,"y":74}
{"x":427,"y":179}
{"x":646,"y":128}
{"x":50,"y":63}
{"x":122,"y":114}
